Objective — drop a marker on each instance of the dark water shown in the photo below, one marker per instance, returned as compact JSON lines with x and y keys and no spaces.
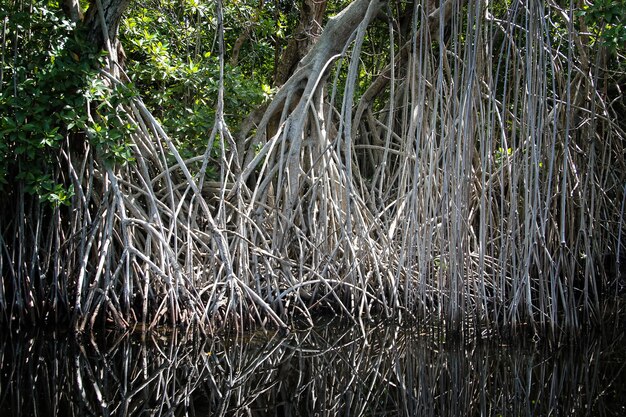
{"x":331,"y":370}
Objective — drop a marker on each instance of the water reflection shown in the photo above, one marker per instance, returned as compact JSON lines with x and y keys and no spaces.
{"x":331,"y":370}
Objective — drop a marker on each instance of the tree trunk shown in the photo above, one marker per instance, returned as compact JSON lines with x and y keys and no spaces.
{"x":103,"y":20}
{"x":305,"y":36}
{"x":72,"y":9}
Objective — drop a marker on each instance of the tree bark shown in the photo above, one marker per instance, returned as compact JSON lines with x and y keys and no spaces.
{"x":102,"y":21}
{"x":72,"y":9}
{"x":305,"y":36}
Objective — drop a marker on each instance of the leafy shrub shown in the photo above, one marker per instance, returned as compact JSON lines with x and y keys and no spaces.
{"x":171,"y":61}
{"x":51,"y":96}
{"x":607,"y":18}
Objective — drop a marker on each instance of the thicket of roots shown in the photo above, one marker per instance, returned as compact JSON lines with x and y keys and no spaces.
{"x":480,"y":178}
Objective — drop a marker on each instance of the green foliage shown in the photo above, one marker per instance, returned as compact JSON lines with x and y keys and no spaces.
{"x":607,"y":19}
{"x":171,"y":60}
{"x":52,"y":96}
{"x":501,"y":155}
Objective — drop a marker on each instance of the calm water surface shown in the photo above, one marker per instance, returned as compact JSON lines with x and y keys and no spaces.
{"x":331,"y":370}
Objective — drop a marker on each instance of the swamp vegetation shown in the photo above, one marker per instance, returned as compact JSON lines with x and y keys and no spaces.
{"x":214,"y":165}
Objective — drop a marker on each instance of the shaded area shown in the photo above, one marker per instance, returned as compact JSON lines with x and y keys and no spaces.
{"x":333,"y":369}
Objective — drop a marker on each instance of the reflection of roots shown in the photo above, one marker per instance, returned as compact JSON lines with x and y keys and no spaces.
{"x":334,"y":368}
